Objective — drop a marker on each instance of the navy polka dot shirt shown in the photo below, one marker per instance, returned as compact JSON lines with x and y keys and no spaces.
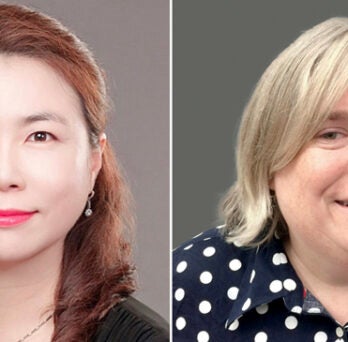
{"x":223,"y":292}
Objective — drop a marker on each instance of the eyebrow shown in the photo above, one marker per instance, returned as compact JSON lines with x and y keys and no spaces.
{"x":338,"y":115}
{"x":44,"y":116}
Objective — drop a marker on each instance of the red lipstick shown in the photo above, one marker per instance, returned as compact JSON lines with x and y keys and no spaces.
{"x":13,"y":217}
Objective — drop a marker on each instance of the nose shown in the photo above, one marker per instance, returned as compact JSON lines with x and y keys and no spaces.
{"x":11,"y":178}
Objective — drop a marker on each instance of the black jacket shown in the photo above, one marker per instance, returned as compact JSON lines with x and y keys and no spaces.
{"x":132,"y":321}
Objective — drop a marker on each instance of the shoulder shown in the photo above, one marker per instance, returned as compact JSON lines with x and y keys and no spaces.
{"x":131,"y":320}
{"x":206,"y":259}
{"x":209,"y":246}
{"x":208,"y":273}
{"x":225,"y":292}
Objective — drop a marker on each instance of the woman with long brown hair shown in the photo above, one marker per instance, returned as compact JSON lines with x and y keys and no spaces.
{"x":66,"y":272}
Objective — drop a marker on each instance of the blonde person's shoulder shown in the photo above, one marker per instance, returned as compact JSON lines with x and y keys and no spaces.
{"x":207,"y":273}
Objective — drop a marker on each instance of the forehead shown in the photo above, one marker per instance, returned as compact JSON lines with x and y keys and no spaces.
{"x":342,"y":104}
{"x":29,"y":85}
{"x":339,"y":111}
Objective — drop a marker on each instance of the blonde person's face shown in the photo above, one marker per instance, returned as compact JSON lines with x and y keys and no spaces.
{"x":47,"y":167}
{"x":312,"y":191}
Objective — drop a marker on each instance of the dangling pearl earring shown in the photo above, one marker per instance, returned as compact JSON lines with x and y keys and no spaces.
{"x":89,"y":211}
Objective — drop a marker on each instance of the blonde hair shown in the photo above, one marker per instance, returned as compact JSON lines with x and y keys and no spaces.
{"x":290,"y":102}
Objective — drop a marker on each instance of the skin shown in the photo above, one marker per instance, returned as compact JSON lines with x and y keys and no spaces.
{"x":50,"y":173}
{"x":310,"y":192}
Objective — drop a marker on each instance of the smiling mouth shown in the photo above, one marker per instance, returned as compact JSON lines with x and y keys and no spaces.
{"x":9,"y":218}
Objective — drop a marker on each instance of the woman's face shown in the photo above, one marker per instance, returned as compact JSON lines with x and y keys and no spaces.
{"x":47,"y":167}
{"x":312,"y":191}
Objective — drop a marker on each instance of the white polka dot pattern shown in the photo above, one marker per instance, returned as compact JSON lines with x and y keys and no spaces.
{"x":320,"y":336}
{"x":289,"y":284}
{"x":339,"y":332}
{"x":276,"y":286}
{"x":216,"y":283}
{"x":291,"y":322}
{"x":279,"y":259}
{"x":204,"y":307}
{"x":188,"y":247}
{"x":235,"y":265}
{"x":203,"y":336}
{"x":198,"y":235}
{"x":180,"y":323}
{"x":232,"y":292}
{"x":253,"y":273}
{"x":206,"y":277}
{"x":209,"y":251}
{"x":296,"y":309}
{"x":314,"y":310}
{"x":234,"y":325}
{"x":262,"y":309}
{"x":246,"y":304}
{"x":179,"y":294}
{"x":181,"y":267}
{"x":261,"y":337}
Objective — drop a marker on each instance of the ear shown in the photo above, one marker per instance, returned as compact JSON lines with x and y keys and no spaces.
{"x":96,"y":159}
{"x":271,"y":183}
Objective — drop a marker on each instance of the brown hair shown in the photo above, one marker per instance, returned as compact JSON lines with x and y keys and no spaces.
{"x":96,"y":270}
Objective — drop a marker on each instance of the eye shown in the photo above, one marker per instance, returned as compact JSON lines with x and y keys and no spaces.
{"x":41,"y":136}
{"x":333,"y":135}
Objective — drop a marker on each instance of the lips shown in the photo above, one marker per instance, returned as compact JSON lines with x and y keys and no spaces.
{"x":13,"y":217}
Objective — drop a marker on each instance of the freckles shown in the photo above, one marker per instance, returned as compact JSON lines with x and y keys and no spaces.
{"x":328,"y":164}
{"x":323,"y":171}
{"x":309,"y":166}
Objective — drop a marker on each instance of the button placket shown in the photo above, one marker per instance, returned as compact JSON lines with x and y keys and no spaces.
{"x":341,"y":334}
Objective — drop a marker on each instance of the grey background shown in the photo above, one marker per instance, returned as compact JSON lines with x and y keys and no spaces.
{"x":130,"y":39}
{"x":220,"y":50}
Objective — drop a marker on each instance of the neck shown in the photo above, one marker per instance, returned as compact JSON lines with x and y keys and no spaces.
{"x":27,"y":291}
{"x":323,"y":272}
{"x":325,"y":264}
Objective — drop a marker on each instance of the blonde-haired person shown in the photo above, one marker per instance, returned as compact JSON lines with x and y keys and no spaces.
{"x":277,"y":270}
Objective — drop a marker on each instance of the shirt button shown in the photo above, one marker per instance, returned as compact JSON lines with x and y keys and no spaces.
{"x":339,"y":332}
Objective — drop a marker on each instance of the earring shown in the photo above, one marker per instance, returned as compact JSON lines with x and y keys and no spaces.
{"x":89,"y":211}
{"x":273,"y":199}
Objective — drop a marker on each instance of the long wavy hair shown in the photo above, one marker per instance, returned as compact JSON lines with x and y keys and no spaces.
{"x":96,"y":270}
{"x":293,"y":98}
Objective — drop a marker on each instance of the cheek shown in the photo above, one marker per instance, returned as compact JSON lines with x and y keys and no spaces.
{"x":290,"y":181}
{"x":305,"y":186}
{"x":321,"y":172}
{"x":291,"y":186}
{"x":61,"y":176}
{"x":310,"y":174}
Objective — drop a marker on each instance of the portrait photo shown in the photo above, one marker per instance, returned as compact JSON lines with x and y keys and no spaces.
{"x":84,"y":170}
{"x":260,"y":171}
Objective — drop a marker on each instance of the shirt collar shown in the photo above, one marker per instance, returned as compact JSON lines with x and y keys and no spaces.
{"x":268,"y":277}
